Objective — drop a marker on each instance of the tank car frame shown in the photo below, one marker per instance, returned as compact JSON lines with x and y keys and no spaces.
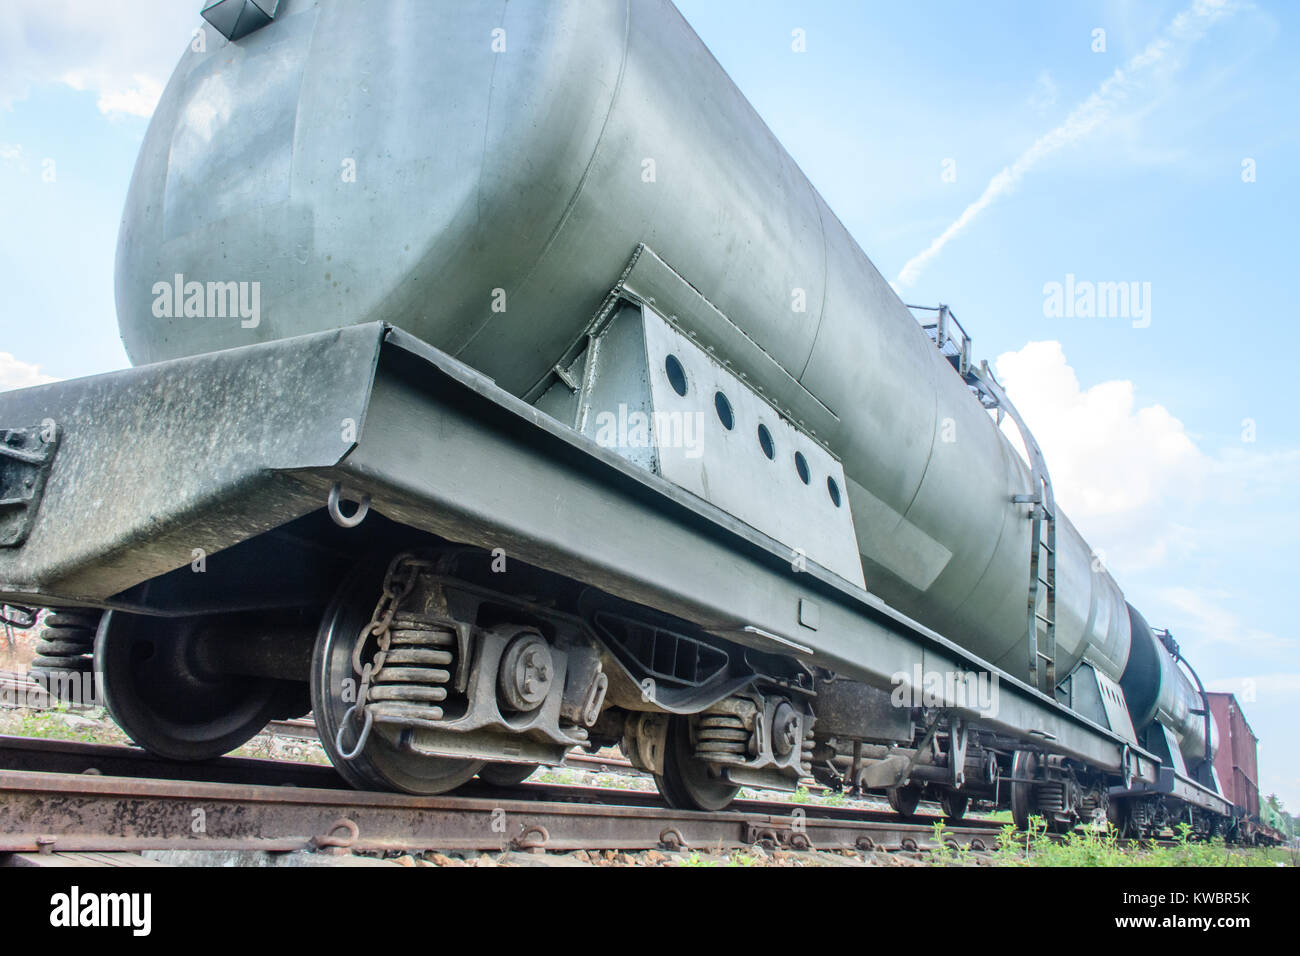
{"x":553,"y":594}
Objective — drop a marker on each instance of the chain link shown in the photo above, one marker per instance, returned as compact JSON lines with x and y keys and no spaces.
{"x":399,"y":582}
{"x":16,"y":616}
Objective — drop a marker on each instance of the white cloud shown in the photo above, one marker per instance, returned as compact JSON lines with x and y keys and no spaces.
{"x":122,"y":53}
{"x":1135,"y":482}
{"x":1249,"y":688}
{"x":1200,"y":614}
{"x":139,"y":99}
{"x":16,"y":374}
{"x":1045,"y":93}
{"x":1123,"y":87}
{"x":1122,"y":473}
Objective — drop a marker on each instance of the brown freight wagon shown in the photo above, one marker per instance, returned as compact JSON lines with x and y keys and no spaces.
{"x":1236,"y":759}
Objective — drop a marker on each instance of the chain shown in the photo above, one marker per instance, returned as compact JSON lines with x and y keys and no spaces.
{"x":399,"y":582}
{"x":15,"y":615}
{"x":18,"y":616}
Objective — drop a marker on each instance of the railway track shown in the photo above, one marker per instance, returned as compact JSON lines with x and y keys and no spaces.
{"x":58,"y":796}
{"x":21,"y":690}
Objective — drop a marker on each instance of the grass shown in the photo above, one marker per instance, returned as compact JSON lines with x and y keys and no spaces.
{"x":1096,"y":847}
{"x":736,"y":858}
{"x":59,"y":723}
{"x":92,"y":725}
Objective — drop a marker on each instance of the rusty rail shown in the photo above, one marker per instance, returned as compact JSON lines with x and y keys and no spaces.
{"x":67,"y":810}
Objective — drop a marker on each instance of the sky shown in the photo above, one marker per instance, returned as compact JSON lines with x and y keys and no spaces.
{"x":988,"y":156}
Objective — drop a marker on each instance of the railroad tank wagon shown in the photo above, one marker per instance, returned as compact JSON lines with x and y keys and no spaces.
{"x":525,"y":171}
{"x":573,"y":200}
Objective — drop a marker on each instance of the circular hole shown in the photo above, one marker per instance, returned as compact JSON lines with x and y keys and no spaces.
{"x":801,"y":466}
{"x":765,"y":442}
{"x":676,"y":374}
{"x":725,"y":415}
{"x":834,"y":490}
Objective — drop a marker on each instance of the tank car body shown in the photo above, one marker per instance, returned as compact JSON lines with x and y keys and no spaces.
{"x":536,"y":168}
{"x":559,"y":210}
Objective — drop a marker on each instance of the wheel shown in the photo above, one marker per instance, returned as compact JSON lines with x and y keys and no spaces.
{"x":688,"y":783}
{"x":904,"y":800}
{"x":1119,"y":813}
{"x":1023,"y":767}
{"x":953,"y":804}
{"x":163,"y":703}
{"x":506,"y":774}
{"x":383,"y":763}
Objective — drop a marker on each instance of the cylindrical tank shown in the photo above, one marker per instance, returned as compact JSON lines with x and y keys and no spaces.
{"x":1157,"y":689}
{"x":429,"y":164}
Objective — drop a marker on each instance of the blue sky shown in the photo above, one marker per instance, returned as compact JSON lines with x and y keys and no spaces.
{"x":1128,"y":177}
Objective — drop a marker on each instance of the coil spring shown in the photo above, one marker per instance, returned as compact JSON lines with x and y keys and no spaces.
{"x":1051,"y":797}
{"x":721,"y":735}
{"x":411,"y":685}
{"x":67,"y":642}
{"x":806,"y":755}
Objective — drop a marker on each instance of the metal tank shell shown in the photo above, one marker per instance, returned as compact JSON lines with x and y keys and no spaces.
{"x":1157,"y":689}
{"x":484,"y":190}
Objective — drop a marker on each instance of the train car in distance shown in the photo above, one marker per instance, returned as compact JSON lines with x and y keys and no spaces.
{"x":1236,"y":764}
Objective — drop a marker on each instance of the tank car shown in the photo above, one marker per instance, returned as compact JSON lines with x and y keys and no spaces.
{"x":643,"y":448}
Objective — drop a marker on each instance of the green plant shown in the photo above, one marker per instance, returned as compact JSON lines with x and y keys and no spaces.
{"x":1102,"y":847}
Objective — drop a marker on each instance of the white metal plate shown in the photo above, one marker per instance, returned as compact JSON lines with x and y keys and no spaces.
{"x":728,"y":467}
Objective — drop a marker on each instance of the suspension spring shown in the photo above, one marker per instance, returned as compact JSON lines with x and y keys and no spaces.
{"x":411,"y":683}
{"x":721,"y":736}
{"x":67,"y":642}
{"x":1051,"y":796}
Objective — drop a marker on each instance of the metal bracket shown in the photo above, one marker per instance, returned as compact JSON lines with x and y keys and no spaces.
{"x":236,"y":19}
{"x":930,"y":731}
{"x":957,"y":735}
{"x":26,"y":457}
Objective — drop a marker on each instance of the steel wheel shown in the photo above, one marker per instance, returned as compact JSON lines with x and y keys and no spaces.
{"x":506,"y":774}
{"x":1023,"y":767}
{"x":687,"y":783}
{"x":1119,"y":815}
{"x":904,"y":800}
{"x":953,"y":804}
{"x":154,"y":693}
{"x":383,"y":763}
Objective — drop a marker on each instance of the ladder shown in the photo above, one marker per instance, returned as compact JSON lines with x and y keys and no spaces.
{"x":1042,"y":540}
{"x":955,"y":345}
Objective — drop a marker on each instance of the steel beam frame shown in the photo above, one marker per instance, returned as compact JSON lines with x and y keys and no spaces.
{"x":214,"y":450}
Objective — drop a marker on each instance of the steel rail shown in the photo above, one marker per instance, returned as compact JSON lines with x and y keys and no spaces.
{"x":71,"y":811}
{"x":40,"y":755}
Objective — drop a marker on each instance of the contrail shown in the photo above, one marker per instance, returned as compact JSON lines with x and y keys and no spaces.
{"x":1184,"y":30}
